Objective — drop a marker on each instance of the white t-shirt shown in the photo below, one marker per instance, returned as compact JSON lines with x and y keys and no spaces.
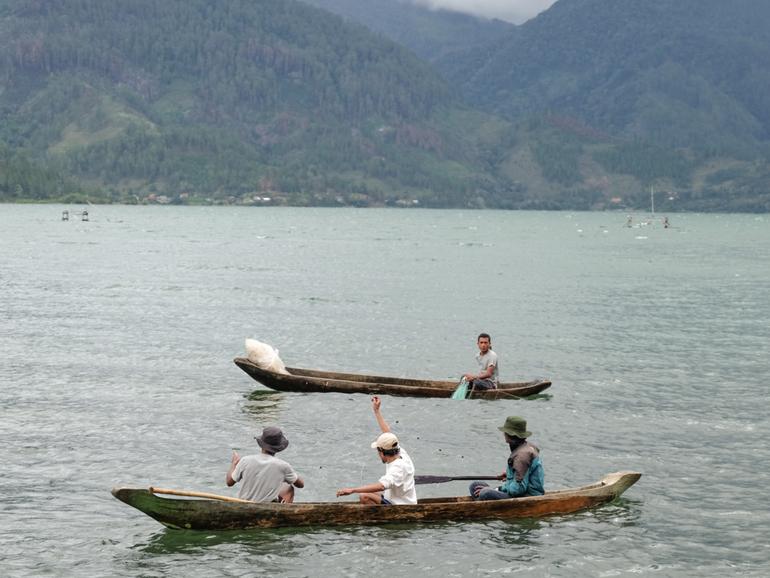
{"x":399,"y":480}
{"x":262,"y":476}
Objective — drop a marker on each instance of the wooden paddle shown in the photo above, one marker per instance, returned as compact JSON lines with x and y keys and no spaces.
{"x":198,"y":495}
{"x":442,"y":479}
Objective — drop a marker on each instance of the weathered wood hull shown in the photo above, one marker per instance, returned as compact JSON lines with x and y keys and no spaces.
{"x":310,"y":380}
{"x":218,"y":515}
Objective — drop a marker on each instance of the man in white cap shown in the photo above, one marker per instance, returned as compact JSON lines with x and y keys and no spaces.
{"x":265,"y":477}
{"x":397,"y":485}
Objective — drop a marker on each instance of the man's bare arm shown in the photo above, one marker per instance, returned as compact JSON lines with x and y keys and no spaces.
{"x":376,"y":403}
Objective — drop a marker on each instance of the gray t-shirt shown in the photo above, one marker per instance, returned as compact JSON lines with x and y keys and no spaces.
{"x":489,"y":358}
{"x":262,"y":476}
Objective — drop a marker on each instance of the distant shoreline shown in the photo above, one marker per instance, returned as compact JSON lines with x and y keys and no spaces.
{"x":640,"y":211}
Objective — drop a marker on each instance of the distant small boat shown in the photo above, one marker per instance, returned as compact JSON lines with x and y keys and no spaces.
{"x":645,"y":221}
{"x":213,"y":514}
{"x":311,"y":380}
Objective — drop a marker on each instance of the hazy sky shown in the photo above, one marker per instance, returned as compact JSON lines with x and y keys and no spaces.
{"x":512,"y":10}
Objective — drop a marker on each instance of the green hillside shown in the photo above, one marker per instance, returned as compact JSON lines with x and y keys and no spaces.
{"x":667,"y":91}
{"x":22,"y":179}
{"x":239,"y":99}
{"x":684,"y":72}
{"x":588,"y":106}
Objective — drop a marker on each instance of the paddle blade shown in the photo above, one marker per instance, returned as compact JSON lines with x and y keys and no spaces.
{"x":460,"y":393}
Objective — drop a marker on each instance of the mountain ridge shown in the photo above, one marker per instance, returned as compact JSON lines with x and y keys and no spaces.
{"x":430,"y":33}
{"x":202,"y":101}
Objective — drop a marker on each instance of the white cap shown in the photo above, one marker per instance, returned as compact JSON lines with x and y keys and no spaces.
{"x":386,"y":441}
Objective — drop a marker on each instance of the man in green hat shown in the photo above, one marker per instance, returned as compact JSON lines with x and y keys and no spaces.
{"x":524,"y":473}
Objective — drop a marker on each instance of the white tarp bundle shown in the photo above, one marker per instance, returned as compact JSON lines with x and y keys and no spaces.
{"x":264,"y":356}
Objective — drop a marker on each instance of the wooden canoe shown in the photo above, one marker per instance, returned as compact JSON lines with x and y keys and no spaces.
{"x":206,"y":514}
{"x":311,"y":380}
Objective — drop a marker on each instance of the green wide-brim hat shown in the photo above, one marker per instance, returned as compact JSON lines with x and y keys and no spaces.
{"x":515,"y":426}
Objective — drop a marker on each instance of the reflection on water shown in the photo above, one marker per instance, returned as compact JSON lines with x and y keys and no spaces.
{"x":540,"y":397}
{"x":168,"y":541}
{"x":515,"y":532}
{"x":259,"y":394}
{"x":264,"y":405}
{"x":621,"y":511}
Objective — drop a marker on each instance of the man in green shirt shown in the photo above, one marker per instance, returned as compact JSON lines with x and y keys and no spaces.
{"x":523,"y":474}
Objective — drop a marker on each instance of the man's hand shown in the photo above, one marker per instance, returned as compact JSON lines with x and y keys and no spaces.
{"x":477,"y":491}
{"x":233,"y":462}
{"x":502,"y":476}
{"x":345,"y":492}
{"x":376,"y":404}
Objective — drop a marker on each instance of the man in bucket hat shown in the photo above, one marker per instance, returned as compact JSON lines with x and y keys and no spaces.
{"x":397,"y":485}
{"x":265,"y":477}
{"x":524,"y":472}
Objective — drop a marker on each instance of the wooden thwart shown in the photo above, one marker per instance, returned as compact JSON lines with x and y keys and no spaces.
{"x":191,"y":494}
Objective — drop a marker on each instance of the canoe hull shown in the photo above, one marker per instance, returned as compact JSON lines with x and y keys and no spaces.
{"x":218,"y":515}
{"x":309,"y":380}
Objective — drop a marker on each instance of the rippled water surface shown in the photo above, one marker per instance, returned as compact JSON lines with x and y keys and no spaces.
{"x":117,"y":337}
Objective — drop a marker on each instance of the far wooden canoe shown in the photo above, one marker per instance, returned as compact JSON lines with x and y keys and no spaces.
{"x":311,"y":380}
{"x":206,"y":514}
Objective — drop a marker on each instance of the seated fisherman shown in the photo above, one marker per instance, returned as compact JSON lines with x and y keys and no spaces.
{"x":265,"y":477}
{"x":524,"y":472}
{"x":487,"y":360}
{"x":397,"y":485}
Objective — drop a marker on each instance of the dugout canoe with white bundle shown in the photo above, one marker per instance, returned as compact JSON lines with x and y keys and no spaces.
{"x":312,"y":380}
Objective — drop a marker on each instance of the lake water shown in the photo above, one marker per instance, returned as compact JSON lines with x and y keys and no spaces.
{"x":117,"y":337}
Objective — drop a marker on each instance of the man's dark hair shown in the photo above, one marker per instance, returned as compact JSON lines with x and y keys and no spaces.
{"x":391,"y":452}
{"x":484,"y":335}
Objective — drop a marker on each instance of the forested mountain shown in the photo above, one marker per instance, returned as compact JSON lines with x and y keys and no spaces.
{"x":588,"y":106}
{"x":674,"y":90}
{"x":686,"y":72}
{"x":217,"y":98}
{"x":431,"y":34}
{"x":22,"y":179}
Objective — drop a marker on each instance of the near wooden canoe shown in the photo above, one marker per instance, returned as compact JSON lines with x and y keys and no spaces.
{"x":311,"y":380}
{"x":207,"y":514}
